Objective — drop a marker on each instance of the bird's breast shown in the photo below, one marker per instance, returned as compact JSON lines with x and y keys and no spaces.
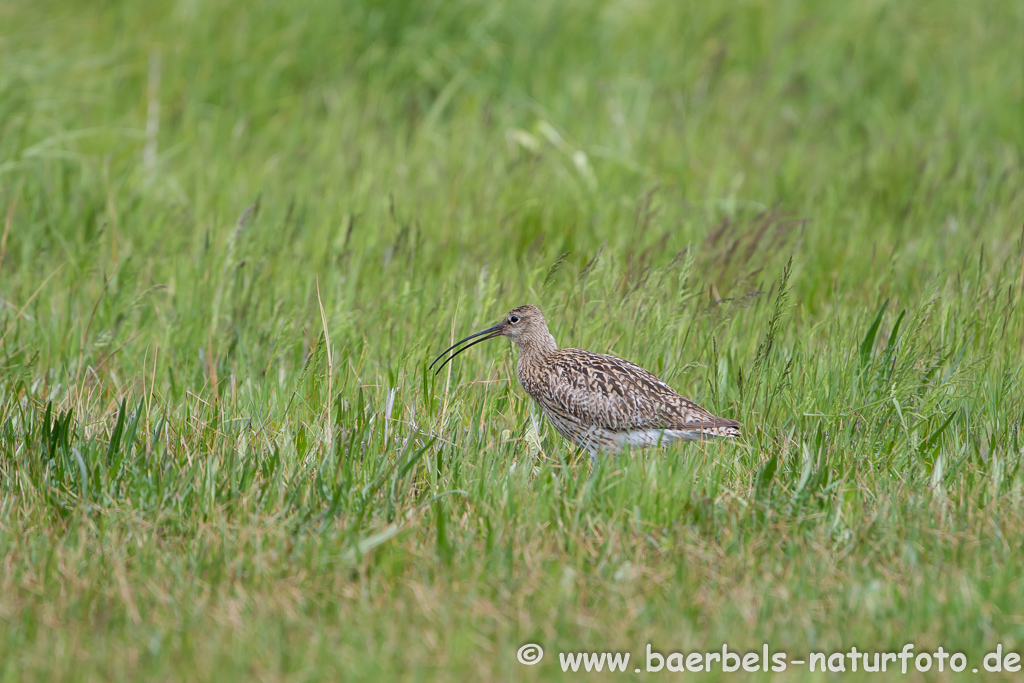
{"x":528,"y":378}
{"x":535,"y":376}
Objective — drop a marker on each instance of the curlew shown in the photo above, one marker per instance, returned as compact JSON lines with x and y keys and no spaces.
{"x":599,"y":402}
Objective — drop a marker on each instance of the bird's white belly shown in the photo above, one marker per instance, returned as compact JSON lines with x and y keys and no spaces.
{"x":594,"y":438}
{"x":642,"y":438}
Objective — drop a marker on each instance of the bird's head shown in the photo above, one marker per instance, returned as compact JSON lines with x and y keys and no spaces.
{"x":524,"y":325}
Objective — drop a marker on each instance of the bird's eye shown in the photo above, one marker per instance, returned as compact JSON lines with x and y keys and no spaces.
{"x":513,"y":319}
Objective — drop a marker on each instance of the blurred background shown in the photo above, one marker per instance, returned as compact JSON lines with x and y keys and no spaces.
{"x":234,"y":234}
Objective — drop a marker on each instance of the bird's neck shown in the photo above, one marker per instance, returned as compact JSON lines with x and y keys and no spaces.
{"x":537,"y":345}
{"x":533,"y":352}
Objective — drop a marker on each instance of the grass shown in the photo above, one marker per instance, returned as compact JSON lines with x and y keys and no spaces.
{"x":234,"y":235}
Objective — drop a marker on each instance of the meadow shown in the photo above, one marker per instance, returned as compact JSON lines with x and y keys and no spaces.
{"x":235,"y":234}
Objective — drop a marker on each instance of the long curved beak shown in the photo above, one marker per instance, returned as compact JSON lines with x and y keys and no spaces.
{"x":491,"y":333}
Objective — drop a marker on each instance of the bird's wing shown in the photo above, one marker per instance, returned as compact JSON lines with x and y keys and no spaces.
{"x":622,"y":396}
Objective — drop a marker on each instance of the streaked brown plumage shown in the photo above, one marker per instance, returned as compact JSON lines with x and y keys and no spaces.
{"x":599,"y":402}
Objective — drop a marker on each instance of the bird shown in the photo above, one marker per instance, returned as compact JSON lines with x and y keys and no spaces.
{"x":599,"y":402}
